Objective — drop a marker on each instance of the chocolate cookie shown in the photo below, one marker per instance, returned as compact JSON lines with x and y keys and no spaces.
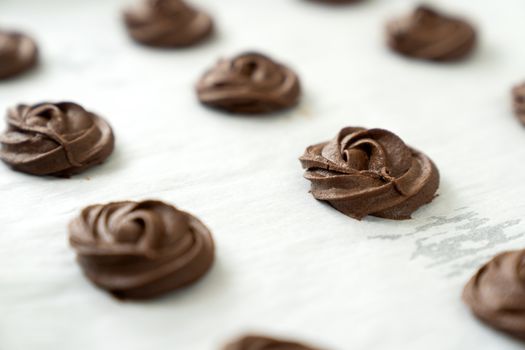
{"x":18,"y":54}
{"x":256,"y":342}
{"x":518,"y":96}
{"x":250,"y":83}
{"x":430,"y":35}
{"x":167,"y":23}
{"x":496,"y":293}
{"x":370,"y":172}
{"x":337,"y":2}
{"x":141,"y":250}
{"x":59,"y":139}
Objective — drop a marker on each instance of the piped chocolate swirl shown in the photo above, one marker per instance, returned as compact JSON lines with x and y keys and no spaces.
{"x":518,"y":101}
{"x":250,"y":83}
{"x":431,"y":35}
{"x":496,"y":293}
{"x":258,"y":342}
{"x":18,"y":54}
{"x":59,"y":139}
{"x":370,"y":172}
{"x":167,"y":23}
{"x":141,"y":250}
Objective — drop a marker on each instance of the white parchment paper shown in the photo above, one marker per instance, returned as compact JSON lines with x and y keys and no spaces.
{"x":286,"y":264}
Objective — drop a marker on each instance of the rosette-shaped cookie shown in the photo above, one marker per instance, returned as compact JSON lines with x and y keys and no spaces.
{"x":256,"y":342}
{"x":59,"y":139}
{"x":430,"y":35}
{"x":140,"y":250}
{"x":167,"y":23}
{"x":496,"y":293}
{"x":18,"y":53}
{"x":250,"y":83}
{"x":370,"y":172}
{"x":518,"y":94}
{"x":337,"y":2}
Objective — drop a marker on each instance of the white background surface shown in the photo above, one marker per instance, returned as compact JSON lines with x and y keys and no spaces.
{"x":286,"y":264}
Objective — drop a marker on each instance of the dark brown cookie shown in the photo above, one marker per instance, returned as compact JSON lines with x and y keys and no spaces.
{"x":337,"y":2}
{"x":59,"y":139}
{"x":518,"y":98}
{"x":430,"y":35}
{"x":496,"y":293}
{"x":141,"y":250}
{"x":257,"y":342}
{"x":250,"y":83}
{"x":18,"y":54}
{"x":370,"y":172}
{"x":167,"y":23}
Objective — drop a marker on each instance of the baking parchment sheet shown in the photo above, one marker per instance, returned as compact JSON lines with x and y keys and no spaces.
{"x":286,"y":264}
